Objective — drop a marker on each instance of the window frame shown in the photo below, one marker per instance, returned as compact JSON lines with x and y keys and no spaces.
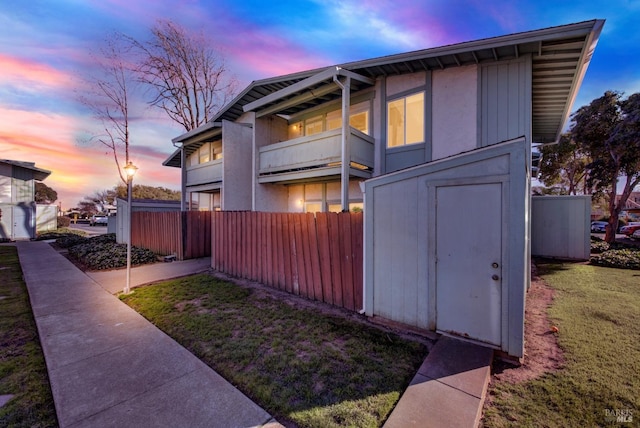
{"x":404,"y":96}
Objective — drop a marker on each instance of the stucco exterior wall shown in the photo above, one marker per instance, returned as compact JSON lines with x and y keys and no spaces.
{"x":268,"y":197}
{"x":237,"y":174}
{"x":405,"y":82}
{"x":454,"y":111}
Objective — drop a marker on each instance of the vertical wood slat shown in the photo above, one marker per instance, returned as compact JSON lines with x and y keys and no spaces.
{"x":324,"y":253}
{"x":316,"y":256}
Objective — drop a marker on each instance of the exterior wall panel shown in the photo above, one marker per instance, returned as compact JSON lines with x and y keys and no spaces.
{"x":400,"y":237}
{"x":237,"y":175}
{"x":455,"y":111}
{"x":505,"y":101}
{"x":560,"y":227}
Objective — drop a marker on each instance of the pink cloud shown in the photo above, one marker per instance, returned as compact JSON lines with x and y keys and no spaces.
{"x":31,"y":74}
{"x":78,"y":170}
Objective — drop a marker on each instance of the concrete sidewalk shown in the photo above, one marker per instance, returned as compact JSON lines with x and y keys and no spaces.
{"x":114,"y":280}
{"x":110,"y":367}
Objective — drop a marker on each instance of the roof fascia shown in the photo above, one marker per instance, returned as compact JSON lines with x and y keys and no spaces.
{"x":585,"y":59}
{"x":535,"y":36}
{"x":292,"y":89}
{"x":211,"y":125}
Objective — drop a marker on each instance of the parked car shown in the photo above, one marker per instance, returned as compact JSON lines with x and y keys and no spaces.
{"x":630,"y":228}
{"x":599,"y":226}
{"x":98,"y":220}
{"x":635,"y":235}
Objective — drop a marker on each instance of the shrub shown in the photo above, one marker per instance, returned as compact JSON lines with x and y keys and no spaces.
{"x":63,"y":221}
{"x":627,"y":258}
{"x":102,"y":252}
{"x":70,"y":240}
{"x":598,"y":245}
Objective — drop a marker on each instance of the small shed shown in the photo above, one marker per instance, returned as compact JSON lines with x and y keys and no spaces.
{"x":446,"y":245}
{"x":560,"y":227}
{"x":17,"y":199}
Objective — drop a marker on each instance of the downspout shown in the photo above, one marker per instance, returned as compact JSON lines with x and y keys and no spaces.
{"x":364,"y":253}
{"x":346,"y":148}
{"x":183,"y":179}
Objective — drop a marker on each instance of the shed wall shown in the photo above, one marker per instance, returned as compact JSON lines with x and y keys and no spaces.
{"x":400,"y":280}
{"x":560,"y":227}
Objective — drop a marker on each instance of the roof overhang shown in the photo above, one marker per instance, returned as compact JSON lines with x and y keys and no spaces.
{"x":320,"y":87}
{"x":192,"y":141}
{"x":39,"y":174}
{"x":560,"y":57}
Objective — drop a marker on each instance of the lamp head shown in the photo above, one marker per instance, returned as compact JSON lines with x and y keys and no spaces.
{"x":130,"y":169}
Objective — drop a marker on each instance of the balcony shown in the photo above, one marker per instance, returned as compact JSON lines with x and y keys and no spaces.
{"x":315,"y":156}
{"x":205,"y":173}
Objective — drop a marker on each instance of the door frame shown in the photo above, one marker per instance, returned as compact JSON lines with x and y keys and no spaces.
{"x":504,"y":181}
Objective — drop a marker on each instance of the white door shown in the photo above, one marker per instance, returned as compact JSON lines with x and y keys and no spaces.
{"x":22,"y":222}
{"x":469,"y":261}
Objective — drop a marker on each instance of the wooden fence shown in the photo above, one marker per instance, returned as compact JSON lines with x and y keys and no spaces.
{"x":316,"y":256}
{"x":186,"y":234}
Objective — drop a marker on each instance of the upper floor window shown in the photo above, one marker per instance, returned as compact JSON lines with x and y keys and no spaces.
{"x":358,"y":119}
{"x":405,"y":120}
{"x":206,"y":153}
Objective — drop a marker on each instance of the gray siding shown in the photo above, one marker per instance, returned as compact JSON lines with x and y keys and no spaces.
{"x":505,"y":91}
{"x":237,"y":175}
{"x":561,"y":227}
{"x":400,"y":279}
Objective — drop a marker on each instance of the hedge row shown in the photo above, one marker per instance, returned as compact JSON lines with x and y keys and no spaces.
{"x":616,"y":255}
{"x":102,"y":252}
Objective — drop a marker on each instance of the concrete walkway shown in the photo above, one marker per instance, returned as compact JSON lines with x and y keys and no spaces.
{"x":109,"y":367}
{"x":449,"y":389}
{"x":114,"y":280}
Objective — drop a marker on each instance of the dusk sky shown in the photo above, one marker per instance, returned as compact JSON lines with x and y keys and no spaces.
{"x":45,"y":48}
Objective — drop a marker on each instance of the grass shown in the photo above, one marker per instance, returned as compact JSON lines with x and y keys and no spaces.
{"x":306,"y":368}
{"x":597,"y":311}
{"x":23,"y":372}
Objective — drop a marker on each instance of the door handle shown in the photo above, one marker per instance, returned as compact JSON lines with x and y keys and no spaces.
{"x":495,"y":277}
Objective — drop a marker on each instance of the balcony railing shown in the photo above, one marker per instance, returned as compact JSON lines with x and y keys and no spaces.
{"x":318,"y":155}
{"x":209,"y":172}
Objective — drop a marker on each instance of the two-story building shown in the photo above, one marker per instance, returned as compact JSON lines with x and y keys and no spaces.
{"x":430,"y":132}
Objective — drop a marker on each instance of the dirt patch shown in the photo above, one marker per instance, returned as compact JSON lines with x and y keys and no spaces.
{"x":262,"y":291}
{"x":542,"y":353}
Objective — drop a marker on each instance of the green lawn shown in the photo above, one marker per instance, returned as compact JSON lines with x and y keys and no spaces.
{"x":303,"y":367}
{"x":23,"y":372}
{"x":597,"y":311}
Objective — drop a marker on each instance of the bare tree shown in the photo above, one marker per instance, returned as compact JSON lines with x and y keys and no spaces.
{"x":108,"y":95}
{"x":187,"y":76}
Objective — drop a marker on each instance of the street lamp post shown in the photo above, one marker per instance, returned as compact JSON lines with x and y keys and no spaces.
{"x":130,"y":169}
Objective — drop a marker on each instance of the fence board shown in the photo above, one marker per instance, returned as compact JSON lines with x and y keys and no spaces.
{"x":344,"y":221}
{"x":316,"y":256}
{"x":324,"y":256}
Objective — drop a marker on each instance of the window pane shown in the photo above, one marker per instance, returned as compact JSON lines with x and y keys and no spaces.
{"x":205,"y":153}
{"x":334,"y":120}
{"x":360,"y":121}
{"x":295,"y":130}
{"x":334,"y":208}
{"x":356,"y":207}
{"x":216,"y":148}
{"x":313,"y":125}
{"x":415,"y":119}
{"x":395,"y":123}
{"x":313,"y":207}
